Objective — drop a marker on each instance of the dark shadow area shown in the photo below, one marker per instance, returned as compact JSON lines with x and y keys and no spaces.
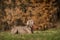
{"x":19,"y":22}
{"x":58,"y":13}
{"x":5,"y":26}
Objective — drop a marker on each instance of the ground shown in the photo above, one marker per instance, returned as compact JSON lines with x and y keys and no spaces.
{"x":51,"y":34}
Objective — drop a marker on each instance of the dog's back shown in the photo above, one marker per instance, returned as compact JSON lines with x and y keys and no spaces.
{"x":21,"y":30}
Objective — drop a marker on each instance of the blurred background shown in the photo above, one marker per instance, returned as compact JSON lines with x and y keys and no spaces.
{"x":45,"y":13}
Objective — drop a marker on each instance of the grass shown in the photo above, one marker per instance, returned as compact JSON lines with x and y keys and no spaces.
{"x":52,"y":34}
